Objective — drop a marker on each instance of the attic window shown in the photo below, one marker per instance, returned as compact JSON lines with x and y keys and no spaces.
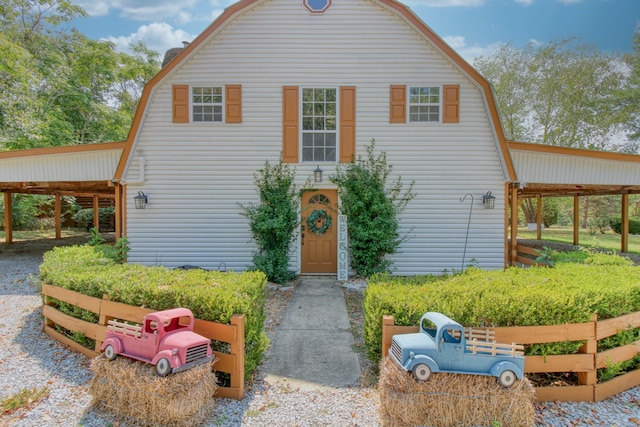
{"x":424,"y":104}
{"x":317,"y":6}
{"x":206,"y":103}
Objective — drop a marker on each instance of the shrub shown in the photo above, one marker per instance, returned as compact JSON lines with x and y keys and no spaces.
{"x":634,"y":224}
{"x":372,"y":205}
{"x":274,"y":221}
{"x":84,"y":217}
{"x":210,"y":295}
{"x":568,"y":293}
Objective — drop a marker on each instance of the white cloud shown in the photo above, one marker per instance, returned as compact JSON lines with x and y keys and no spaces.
{"x":469,"y":53}
{"x":138,"y":10}
{"x":525,"y":2}
{"x":158,"y":36}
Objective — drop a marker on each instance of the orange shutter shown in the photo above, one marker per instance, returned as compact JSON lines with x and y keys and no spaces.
{"x":233,"y":103}
{"x":451,"y":104}
{"x":398,"y":107}
{"x":290,"y":124}
{"x":180,"y":107}
{"x":347,"y":123}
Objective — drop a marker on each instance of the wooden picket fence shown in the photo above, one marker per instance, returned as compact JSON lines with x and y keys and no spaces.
{"x":585,"y":363}
{"x":231,"y":363}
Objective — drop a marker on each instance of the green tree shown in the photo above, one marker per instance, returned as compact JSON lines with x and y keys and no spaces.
{"x":561,"y":93}
{"x":372,"y":205}
{"x":274,"y":220}
{"x":629,"y":97}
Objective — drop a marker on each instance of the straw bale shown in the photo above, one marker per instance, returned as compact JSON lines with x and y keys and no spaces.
{"x":134,"y":392}
{"x":452,"y":400}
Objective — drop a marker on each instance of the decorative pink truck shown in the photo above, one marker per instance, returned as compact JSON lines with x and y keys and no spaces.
{"x":165,"y":339}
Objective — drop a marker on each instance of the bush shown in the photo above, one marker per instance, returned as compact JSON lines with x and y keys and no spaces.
{"x":84,"y":217}
{"x":569,"y":293}
{"x":210,"y":295}
{"x":634,"y":224}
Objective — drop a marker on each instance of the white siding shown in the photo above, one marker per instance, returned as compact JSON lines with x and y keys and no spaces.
{"x":83,"y":166}
{"x":197,"y":174}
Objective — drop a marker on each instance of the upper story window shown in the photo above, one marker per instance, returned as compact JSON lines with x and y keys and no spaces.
{"x":206,"y":103}
{"x":424,"y":104}
{"x":319,"y":119}
{"x":317,"y":6}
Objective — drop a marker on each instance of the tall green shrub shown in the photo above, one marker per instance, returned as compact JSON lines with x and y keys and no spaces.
{"x":274,"y":220}
{"x":371,"y":204}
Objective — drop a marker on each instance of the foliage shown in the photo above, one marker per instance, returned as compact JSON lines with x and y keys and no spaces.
{"x":60,"y":87}
{"x":561,"y":93}
{"x":372,"y":205}
{"x":84,"y":217}
{"x":95,"y":239}
{"x":274,"y":221}
{"x":25,"y":398}
{"x":550,"y":211}
{"x":546,"y":256}
{"x":629,"y":97}
{"x":210,"y":295}
{"x":616,"y":224}
{"x":604,"y":284}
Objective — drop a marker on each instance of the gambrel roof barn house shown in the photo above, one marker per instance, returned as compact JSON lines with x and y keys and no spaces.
{"x":314,"y":81}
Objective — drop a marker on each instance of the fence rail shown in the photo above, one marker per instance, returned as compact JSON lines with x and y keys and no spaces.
{"x":231,"y":363}
{"x":585,"y":363}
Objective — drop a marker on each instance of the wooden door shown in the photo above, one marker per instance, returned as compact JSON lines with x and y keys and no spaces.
{"x":318,"y":228}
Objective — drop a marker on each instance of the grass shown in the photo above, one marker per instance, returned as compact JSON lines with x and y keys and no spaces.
{"x":25,"y":398}
{"x":19,"y":235}
{"x":609,"y":240}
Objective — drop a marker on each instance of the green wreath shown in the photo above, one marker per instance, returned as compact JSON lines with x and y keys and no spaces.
{"x":317,"y":217}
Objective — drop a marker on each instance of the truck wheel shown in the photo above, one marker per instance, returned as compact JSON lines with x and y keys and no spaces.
{"x":163,"y":367}
{"x":109,"y":352}
{"x":421,"y":372}
{"x":507,"y":378}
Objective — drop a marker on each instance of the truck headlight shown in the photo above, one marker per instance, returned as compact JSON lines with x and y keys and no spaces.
{"x":412,"y":355}
{"x":174,"y":351}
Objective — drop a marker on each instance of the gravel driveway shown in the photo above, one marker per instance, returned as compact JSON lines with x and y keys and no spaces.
{"x":29,"y":359}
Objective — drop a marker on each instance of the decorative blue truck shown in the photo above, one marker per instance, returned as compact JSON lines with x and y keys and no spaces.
{"x":443,"y":345}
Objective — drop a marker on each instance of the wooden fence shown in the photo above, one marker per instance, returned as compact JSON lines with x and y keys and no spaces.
{"x":585,"y":363}
{"x":231,"y":363}
{"x":522,"y":258}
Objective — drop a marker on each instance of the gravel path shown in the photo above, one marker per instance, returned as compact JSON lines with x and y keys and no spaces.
{"x":29,"y":359}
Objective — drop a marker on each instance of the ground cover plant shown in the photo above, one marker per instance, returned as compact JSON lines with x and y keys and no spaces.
{"x":210,"y":295}
{"x":571,"y":292}
{"x":608,"y":240}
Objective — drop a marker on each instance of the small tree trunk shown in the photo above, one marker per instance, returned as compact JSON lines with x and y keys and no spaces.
{"x":585,"y":213}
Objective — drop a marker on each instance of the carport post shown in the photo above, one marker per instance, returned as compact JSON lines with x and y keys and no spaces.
{"x":576,"y":220}
{"x":624,"y":233}
{"x":58,"y":214}
{"x":8,"y":214}
{"x":539,"y":217}
{"x":96,"y":213}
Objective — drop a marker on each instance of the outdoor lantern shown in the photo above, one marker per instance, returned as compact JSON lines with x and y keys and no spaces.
{"x":141,"y":200}
{"x":488,"y":201}
{"x":317,"y":174}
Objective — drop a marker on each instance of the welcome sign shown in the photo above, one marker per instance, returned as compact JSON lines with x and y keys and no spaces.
{"x":343,"y":249}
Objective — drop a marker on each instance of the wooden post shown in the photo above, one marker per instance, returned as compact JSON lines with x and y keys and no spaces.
{"x":118,"y":201}
{"x":124,"y":211}
{"x":590,"y":347}
{"x":58,"y":215}
{"x":8,"y":216}
{"x":576,"y":220}
{"x":624,"y":233}
{"x":237,"y":348}
{"x":96,"y":214}
{"x":507,"y":198}
{"x":514,"y":225}
{"x":539,"y":217}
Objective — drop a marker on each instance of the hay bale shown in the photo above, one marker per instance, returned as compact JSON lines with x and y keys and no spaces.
{"x":452,"y":400}
{"x":131,"y":390}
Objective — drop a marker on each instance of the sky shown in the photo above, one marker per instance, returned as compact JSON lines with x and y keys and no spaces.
{"x":472,"y":27}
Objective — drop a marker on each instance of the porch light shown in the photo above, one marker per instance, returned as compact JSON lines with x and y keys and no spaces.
{"x":489,"y":201}
{"x":141,"y":200}
{"x":317,"y":174}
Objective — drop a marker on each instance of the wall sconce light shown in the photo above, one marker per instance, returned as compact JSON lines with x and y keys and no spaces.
{"x":141,"y":200}
{"x":317,"y":174}
{"x":489,"y":201}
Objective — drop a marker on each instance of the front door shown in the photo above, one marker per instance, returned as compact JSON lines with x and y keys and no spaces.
{"x":318,"y":231}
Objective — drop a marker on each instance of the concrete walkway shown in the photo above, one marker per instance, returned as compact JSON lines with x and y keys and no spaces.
{"x":313,"y":345}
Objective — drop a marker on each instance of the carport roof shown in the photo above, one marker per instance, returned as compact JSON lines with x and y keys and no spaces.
{"x":71,"y":169}
{"x":557,"y":171}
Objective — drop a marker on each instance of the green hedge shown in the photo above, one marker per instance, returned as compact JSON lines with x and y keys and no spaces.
{"x":634,"y":224}
{"x":210,"y":295}
{"x":569,"y":293}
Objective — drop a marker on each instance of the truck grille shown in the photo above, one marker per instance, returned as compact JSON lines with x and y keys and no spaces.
{"x":197,"y":352}
{"x":396,"y":351}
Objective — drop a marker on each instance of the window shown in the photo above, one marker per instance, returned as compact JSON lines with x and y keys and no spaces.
{"x":206,"y":103}
{"x":319,"y":124}
{"x":424,"y":104}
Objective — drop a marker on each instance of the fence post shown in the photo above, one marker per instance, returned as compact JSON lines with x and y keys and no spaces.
{"x":237,"y":349}
{"x":590,"y":347}
{"x":386,"y":338}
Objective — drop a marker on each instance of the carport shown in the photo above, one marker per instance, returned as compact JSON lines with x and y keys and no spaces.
{"x":546,"y":171}
{"x":81,"y":171}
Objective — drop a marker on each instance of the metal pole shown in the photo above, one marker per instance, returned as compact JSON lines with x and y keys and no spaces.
{"x":466,"y":238}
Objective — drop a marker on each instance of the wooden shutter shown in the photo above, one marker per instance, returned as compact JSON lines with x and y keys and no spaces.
{"x":398,"y":107}
{"x":347,"y":123}
{"x":233,"y":104}
{"x":451,"y":104}
{"x":180,"y":107}
{"x":290,"y":124}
